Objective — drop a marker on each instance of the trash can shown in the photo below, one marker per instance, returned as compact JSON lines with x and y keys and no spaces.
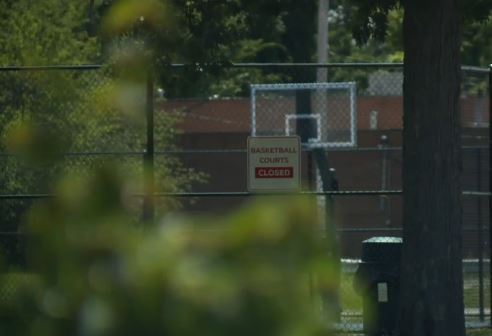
{"x":377,"y":280}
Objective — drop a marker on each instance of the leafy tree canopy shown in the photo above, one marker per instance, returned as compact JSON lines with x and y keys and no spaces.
{"x":45,"y":32}
{"x":375,"y":20}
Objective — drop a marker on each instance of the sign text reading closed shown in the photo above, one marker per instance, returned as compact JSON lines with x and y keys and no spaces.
{"x":274,"y":172}
{"x":273,"y":163}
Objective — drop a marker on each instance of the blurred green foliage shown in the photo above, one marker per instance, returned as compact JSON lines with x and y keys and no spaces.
{"x":49,"y":119}
{"x":99,"y":111}
{"x":91,"y":269}
{"x":93,"y":272}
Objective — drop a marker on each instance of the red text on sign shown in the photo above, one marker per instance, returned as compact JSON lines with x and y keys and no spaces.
{"x":274,"y":172}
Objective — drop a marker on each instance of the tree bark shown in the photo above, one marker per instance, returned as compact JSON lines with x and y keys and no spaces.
{"x":431,"y":273}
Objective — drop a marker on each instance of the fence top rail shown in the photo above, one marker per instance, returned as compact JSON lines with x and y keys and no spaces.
{"x":229,"y":194}
{"x":346,"y":193}
{"x":469,"y":68}
{"x":233,"y":65}
{"x":287,"y":65}
{"x":178,"y":151}
{"x":79,"y":67}
{"x":484,"y":70}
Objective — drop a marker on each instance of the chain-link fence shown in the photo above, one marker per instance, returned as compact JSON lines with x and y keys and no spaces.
{"x":350,"y":126}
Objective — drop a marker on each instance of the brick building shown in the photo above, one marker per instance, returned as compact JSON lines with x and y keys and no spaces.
{"x":214,"y":134}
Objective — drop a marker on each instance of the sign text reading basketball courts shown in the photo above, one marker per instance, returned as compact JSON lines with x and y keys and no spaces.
{"x":273,"y":150}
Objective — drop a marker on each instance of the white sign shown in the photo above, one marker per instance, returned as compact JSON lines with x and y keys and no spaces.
{"x":274,"y":163}
{"x":382,"y":292}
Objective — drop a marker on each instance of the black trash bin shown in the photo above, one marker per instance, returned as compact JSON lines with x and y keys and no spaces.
{"x":377,"y":280}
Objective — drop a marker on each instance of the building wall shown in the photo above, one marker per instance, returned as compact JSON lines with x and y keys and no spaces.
{"x":215,"y":133}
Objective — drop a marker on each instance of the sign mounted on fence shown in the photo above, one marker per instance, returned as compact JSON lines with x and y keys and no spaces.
{"x":274,"y":163}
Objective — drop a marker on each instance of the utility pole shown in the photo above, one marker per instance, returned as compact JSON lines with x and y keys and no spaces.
{"x":322,"y":43}
{"x":327,"y":174}
{"x":148,"y":211}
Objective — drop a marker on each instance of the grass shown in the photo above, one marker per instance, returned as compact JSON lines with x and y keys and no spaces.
{"x":11,"y":283}
{"x":479,"y":332}
{"x":471,"y":290}
{"x":351,"y":301}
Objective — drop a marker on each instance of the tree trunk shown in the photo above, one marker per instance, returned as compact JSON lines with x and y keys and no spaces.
{"x":432,"y":281}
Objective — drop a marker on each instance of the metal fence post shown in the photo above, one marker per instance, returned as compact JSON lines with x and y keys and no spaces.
{"x":490,"y":186}
{"x":148,"y":202}
{"x":480,"y":239}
